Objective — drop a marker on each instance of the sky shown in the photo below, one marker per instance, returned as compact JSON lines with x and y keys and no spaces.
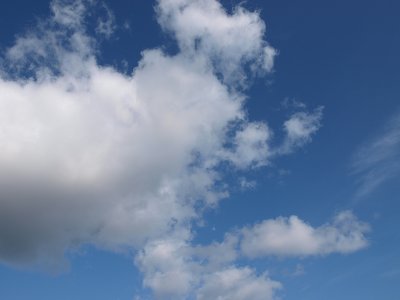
{"x":199,"y":149}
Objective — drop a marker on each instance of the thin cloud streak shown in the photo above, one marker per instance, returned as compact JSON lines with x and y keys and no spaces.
{"x":378,"y":161}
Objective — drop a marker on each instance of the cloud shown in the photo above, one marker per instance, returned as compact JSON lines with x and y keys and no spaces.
{"x":299,"y":129}
{"x":229,"y":41}
{"x":293,"y":237}
{"x":251,"y":147}
{"x":90,"y":155}
{"x":167,"y":268}
{"x":379,"y":159}
{"x":106,"y":24}
{"x":177,"y":270}
{"x":292,"y":103}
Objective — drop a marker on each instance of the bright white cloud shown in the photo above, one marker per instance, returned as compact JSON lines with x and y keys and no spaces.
{"x":250,"y":146}
{"x":208,"y":271}
{"x":167,"y":268}
{"x":299,"y":129}
{"x":293,"y":237}
{"x":107,"y":158}
{"x":176,"y":270}
{"x":228,"y":41}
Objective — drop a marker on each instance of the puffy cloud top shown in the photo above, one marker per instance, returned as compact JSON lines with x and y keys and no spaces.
{"x":293,"y":237}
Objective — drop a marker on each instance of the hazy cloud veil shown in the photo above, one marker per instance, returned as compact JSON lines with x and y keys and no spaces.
{"x":90,"y":155}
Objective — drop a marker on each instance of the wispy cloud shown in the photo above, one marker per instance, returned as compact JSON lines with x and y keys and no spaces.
{"x":378,"y":160}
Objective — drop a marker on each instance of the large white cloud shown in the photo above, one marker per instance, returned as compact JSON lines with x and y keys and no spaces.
{"x":116,"y":159}
{"x":104,"y":157}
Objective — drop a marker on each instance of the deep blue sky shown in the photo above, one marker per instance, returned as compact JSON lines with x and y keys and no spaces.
{"x":342,"y":55}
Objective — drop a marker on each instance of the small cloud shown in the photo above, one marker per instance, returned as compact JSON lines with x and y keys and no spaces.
{"x":299,"y":130}
{"x":293,"y":237}
{"x":246,"y":184}
{"x":292,"y":103}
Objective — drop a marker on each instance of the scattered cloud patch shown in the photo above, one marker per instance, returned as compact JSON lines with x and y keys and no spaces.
{"x":292,"y":103}
{"x":251,"y":147}
{"x":299,"y":129}
{"x":106,"y":23}
{"x":246,"y":184}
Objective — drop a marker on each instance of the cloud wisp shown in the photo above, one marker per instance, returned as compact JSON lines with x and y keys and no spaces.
{"x":89,"y":155}
{"x":378,"y":160}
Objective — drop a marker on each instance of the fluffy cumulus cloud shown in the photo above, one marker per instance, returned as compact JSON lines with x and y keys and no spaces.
{"x":104,"y":157}
{"x":299,"y":129}
{"x":174,"y":267}
{"x":90,"y":155}
{"x":230,"y":42}
{"x":177,"y":270}
{"x":293,"y":237}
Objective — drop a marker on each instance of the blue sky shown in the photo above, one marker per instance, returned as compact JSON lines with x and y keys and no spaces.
{"x":197,"y":150}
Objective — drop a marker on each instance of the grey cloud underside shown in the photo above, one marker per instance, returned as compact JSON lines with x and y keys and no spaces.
{"x":89,"y":155}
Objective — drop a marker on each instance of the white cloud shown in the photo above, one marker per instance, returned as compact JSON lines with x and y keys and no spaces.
{"x":251,"y":147}
{"x":167,"y":268}
{"x":379,"y":159}
{"x":107,"y":158}
{"x":293,"y":237}
{"x":68,"y":13}
{"x":229,"y":41}
{"x":176,"y":270}
{"x":299,"y":129}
